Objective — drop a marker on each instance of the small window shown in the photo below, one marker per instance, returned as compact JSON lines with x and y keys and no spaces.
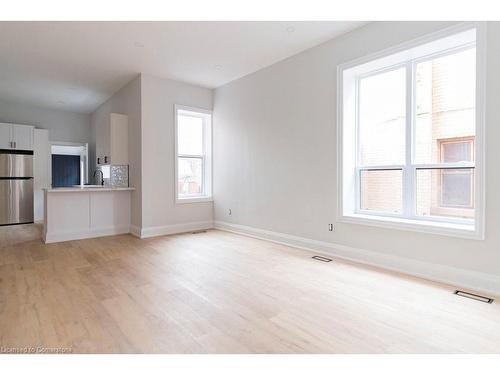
{"x":454,"y":150}
{"x":457,"y":185}
{"x":193,"y":154}
{"x":457,"y":189}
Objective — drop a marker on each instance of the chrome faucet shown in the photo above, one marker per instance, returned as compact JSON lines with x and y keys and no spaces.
{"x":102,"y":176}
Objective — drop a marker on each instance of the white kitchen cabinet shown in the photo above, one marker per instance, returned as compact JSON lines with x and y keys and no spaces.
{"x":112,"y":140}
{"x":118,"y":140}
{"x":22,"y":136}
{"x":77,"y":213}
{"x":102,"y":140}
{"x":16,"y":137}
{"x":5,"y":136}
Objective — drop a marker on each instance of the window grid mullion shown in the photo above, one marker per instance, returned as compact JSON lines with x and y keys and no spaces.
{"x":204,"y":151}
{"x":408,"y":171}
{"x":188,"y":156}
{"x":357,"y":178}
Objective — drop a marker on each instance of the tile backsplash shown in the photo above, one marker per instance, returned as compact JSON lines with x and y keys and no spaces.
{"x":115,"y":175}
{"x":118,"y":176}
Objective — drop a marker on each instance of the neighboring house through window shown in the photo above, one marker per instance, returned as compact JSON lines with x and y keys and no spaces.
{"x":457,"y":186}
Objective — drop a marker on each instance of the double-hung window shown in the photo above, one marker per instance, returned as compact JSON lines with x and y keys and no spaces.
{"x":410,"y":146}
{"x":193,"y":164}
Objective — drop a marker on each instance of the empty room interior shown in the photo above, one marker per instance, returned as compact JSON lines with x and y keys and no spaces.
{"x":251,"y":187}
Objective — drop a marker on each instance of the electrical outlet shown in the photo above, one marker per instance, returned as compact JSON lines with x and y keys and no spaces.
{"x":230,"y":212}
{"x":330,"y":227}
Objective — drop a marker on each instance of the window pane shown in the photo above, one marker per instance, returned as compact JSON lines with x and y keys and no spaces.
{"x":445,"y":102}
{"x":382,"y":110}
{"x":456,"y":152}
{"x":190,"y":135}
{"x":382,"y":190}
{"x":445,"y":192}
{"x":190,"y":174}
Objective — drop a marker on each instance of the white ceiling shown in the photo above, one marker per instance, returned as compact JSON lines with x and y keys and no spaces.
{"x":76,"y":66}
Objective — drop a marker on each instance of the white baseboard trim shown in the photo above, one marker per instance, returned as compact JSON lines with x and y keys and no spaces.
{"x":91,"y":233}
{"x":135,"y":231}
{"x":147,"y":232}
{"x":471,"y":280}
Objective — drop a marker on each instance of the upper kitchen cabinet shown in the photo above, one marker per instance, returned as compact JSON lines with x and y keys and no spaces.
{"x":118,"y":142}
{"x":23,"y":137}
{"x":112,"y":140}
{"x":16,"y":137}
{"x":5,"y":137}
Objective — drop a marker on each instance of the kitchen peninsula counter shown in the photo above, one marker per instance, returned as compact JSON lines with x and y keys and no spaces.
{"x":73,"y":213}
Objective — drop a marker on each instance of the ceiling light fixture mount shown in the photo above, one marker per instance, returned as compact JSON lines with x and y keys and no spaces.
{"x":139,"y":45}
{"x":290,"y":29}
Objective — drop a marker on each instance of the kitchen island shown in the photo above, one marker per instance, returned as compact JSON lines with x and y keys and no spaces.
{"x":74,"y":213}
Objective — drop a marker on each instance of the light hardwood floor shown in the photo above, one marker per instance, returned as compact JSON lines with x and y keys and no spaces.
{"x":217,"y":292}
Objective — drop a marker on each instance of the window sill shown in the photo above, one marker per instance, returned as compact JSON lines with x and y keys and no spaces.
{"x":468,"y":231}
{"x":193,"y":200}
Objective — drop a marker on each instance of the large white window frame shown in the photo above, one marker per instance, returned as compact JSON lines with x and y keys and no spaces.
{"x":206,"y":157}
{"x":407,"y":56}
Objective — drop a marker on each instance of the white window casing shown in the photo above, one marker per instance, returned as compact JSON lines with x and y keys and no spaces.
{"x":405,"y":56}
{"x":205,"y":157}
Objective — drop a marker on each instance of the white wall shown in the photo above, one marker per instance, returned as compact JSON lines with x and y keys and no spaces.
{"x":126,"y":101}
{"x":62,"y":125}
{"x":149,"y":103}
{"x":41,"y":170}
{"x":159,"y":209}
{"x":275,"y":153}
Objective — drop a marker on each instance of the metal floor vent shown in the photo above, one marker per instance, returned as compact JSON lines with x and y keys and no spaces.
{"x":322,"y":259}
{"x":473,"y":296}
{"x":199,"y":231}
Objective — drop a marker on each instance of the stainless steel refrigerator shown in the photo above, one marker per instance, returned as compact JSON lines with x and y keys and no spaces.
{"x":16,"y":187}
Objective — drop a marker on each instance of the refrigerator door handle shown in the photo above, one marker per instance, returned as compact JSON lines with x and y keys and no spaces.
{"x":11,"y":202}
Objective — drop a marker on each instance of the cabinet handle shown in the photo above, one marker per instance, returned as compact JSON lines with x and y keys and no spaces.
{"x":15,"y":144}
{"x":98,"y":160}
{"x":105,"y":159}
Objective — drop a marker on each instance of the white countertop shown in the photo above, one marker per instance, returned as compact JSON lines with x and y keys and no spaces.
{"x":84,"y":189}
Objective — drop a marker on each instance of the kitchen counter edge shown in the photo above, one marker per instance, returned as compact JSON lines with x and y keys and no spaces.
{"x":84,"y":189}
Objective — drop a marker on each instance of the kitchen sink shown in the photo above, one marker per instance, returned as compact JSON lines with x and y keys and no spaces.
{"x":90,"y":186}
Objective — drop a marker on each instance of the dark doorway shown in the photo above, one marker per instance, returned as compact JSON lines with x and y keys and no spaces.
{"x":65,"y":170}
